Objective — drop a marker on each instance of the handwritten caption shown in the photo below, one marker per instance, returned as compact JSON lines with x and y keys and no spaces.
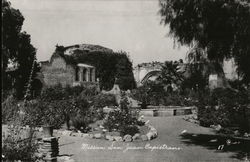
{"x":128,"y":147}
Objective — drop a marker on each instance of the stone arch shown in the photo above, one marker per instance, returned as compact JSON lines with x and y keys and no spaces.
{"x":149,"y":75}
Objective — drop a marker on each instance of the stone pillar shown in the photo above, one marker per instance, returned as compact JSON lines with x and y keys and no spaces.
{"x":49,"y":149}
{"x":80,"y":74}
{"x":87,"y":75}
{"x":93,"y":75}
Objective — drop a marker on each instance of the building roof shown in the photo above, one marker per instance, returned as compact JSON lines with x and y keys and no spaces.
{"x":85,"y":47}
{"x":85,"y":65}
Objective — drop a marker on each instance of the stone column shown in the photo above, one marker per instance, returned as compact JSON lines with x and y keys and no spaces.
{"x":87,"y":74}
{"x":80,"y":74}
{"x":93,"y":75}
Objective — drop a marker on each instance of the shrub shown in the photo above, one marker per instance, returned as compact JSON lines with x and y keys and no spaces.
{"x":39,"y":112}
{"x":9,"y":109}
{"x":122,"y":119}
{"x":226,"y":107}
{"x":14,"y":147}
{"x":101,"y":100}
{"x":129,"y":129}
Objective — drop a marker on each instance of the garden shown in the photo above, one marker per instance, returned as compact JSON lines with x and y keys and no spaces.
{"x":78,"y":110}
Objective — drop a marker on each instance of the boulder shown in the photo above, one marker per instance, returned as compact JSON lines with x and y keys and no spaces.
{"x":127,"y":138}
{"x":91,"y":136}
{"x":150,"y":135}
{"x":144,"y":137}
{"x":66,"y":133}
{"x":109,"y":137}
{"x":84,"y":135}
{"x":136,"y":137}
{"x":98,"y":135}
{"x":218,"y":127}
{"x":40,"y":129}
{"x":118,"y":138}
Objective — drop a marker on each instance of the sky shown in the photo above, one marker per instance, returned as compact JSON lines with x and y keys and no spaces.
{"x":128,"y":25}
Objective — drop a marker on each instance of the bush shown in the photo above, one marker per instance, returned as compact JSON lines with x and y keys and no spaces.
{"x":122,"y":119}
{"x":102,"y":100}
{"x":9,"y":109}
{"x":14,"y":147}
{"x":226,"y":107}
{"x":154,"y":94}
{"x":39,"y":113}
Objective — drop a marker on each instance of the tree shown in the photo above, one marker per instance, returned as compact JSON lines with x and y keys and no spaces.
{"x":170,"y":75}
{"x":16,"y":49}
{"x":221,"y":28}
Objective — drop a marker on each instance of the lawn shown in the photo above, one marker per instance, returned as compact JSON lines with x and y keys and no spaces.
{"x":199,"y":144}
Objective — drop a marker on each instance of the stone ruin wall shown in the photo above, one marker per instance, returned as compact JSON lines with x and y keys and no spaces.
{"x":58,"y":72}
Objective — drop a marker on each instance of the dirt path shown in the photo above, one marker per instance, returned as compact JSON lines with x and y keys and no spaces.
{"x":169,"y":130}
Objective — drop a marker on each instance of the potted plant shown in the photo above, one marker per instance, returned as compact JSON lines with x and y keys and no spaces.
{"x":51,"y":118}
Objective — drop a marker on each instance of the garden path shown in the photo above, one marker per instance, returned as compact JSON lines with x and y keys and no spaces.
{"x":169,"y":130}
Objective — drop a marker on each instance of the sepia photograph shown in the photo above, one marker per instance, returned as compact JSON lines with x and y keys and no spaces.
{"x":125,"y":81}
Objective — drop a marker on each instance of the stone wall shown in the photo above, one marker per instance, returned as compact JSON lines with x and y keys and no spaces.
{"x":58,"y":72}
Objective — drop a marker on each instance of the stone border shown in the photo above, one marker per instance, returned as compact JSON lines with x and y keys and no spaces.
{"x":151,"y":134}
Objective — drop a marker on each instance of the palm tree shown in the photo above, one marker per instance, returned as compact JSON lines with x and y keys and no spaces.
{"x":170,"y":75}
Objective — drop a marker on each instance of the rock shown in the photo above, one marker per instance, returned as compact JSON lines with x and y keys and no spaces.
{"x":74,"y":134}
{"x":66,"y":133}
{"x":236,"y":133}
{"x":246,"y":135}
{"x":102,"y":127}
{"x":218,"y":127}
{"x":118,"y":138}
{"x":91,"y":136}
{"x":109,"y":137}
{"x":127,"y":138}
{"x":98,"y":135}
{"x":104,"y":130}
{"x":84,"y":135}
{"x":136,"y":137}
{"x":150,"y":135}
{"x":213,"y":140}
{"x":184,"y":131}
{"x":96,"y":129}
{"x":144,"y":137}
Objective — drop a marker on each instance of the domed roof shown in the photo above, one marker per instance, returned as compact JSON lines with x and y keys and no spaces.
{"x":85,"y":47}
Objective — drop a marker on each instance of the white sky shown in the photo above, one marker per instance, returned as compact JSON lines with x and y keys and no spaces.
{"x":128,"y":25}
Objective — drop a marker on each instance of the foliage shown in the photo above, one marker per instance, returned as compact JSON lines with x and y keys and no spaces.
{"x":153,"y":93}
{"x":40,"y":113}
{"x":203,"y":23}
{"x":9,"y":109}
{"x":122,"y":119}
{"x":225,"y":107}
{"x":101,"y":100}
{"x":170,"y":75}
{"x":109,"y":65}
{"x":16,"y":49}
{"x":58,"y":105}
{"x":14,"y":147}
